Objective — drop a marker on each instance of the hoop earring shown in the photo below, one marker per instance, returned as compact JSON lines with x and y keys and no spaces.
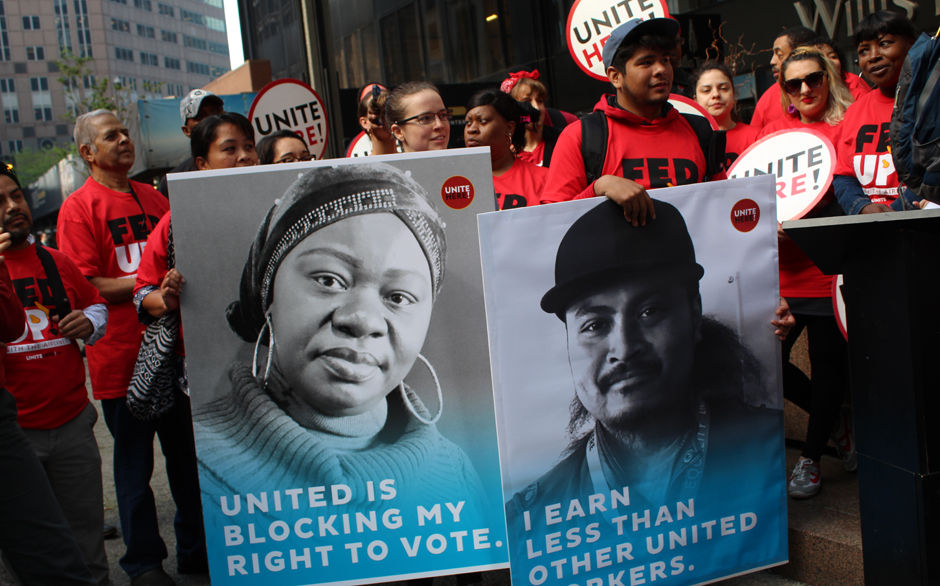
{"x":440,"y":396}
{"x":254,"y":358}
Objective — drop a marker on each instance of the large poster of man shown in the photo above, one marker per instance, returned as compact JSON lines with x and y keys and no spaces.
{"x":638,"y":387}
{"x":337,"y":356}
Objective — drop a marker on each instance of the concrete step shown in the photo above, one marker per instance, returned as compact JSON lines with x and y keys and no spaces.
{"x":825,"y":531}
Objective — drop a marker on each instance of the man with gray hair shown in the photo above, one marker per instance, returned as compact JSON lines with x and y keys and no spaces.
{"x":103,"y":227}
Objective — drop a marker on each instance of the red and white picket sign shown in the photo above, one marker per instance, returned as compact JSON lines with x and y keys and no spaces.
{"x":838,"y":305}
{"x":803,"y":162}
{"x":686,"y":106}
{"x":590,"y":23}
{"x":290,"y":104}
{"x":361,"y":146}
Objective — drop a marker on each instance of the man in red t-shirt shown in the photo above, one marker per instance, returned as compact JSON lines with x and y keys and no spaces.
{"x":103,"y":228}
{"x":865,"y":180}
{"x":46,"y":373}
{"x":649,"y":144}
{"x":768,"y":106}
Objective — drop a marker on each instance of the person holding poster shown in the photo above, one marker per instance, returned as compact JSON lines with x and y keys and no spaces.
{"x":768,"y":106}
{"x":417,"y":117}
{"x":810,"y":84}
{"x":713,"y":83}
{"x":493,"y":120}
{"x":641,"y":141}
{"x":339,"y":286}
{"x":865,"y":181}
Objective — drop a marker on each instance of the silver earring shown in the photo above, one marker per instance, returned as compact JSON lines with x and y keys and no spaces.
{"x":254,"y":359}
{"x":440,"y":396}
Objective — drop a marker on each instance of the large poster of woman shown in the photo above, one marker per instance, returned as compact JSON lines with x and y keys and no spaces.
{"x":337,"y":358}
{"x":638,"y":385}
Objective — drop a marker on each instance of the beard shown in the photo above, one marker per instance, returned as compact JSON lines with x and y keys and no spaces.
{"x":19,"y":234}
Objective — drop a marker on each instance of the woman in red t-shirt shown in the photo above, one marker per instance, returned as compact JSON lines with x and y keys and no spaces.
{"x":714,"y":91}
{"x":856,"y":85}
{"x":217,"y":142}
{"x":493,"y":120}
{"x":813,"y":96}
{"x":540,"y":135}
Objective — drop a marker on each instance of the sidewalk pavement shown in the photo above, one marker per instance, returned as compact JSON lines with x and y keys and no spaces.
{"x":166,"y":510}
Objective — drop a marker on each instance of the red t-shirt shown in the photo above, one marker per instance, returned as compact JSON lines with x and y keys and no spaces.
{"x":104,"y":233}
{"x":520,"y":186}
{"x":535,"y":156}
{"x":863,"y":148}
{"x":768,"y":108}
{"x":663,"y":152}
{"x":857,"y":87}
{"x":799,"y":277}
{"x":11,"y":316}
{"x":738,"y":140}
{"x":154,"y":265}
{"x":45,"y":371}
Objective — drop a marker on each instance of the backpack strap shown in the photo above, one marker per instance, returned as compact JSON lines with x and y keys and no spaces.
{"x":594,"y":144}
{"x":594,"y":134}
{"x":712,"y":142}
{"x":60,"y":299}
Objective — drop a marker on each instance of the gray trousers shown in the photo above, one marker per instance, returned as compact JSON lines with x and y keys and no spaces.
{"x":69,"y":454}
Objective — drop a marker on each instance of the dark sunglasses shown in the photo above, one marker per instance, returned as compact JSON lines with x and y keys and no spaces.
{"x":812,"y":81}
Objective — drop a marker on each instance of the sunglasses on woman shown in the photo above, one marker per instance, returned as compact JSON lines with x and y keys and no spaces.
{"x":813,"y":81}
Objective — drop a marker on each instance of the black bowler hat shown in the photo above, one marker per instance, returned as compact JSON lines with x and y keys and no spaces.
{"x":602,"y":247}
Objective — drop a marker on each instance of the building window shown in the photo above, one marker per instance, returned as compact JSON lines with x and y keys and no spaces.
{"x":216,"y":24}
{"x":11,"y":105}
{"x":168,"y":37}
{"x":4,"y":35}
{"x":119,"y":1}
{"x":165,"y":10}
{"x":149,"y":59}
{"x":122,"y":54}
{"x":192,"y":17}
{"x":194,"y":43}
{"x":220,"y":48}
{"x":35,"y":54}
{"x":62,"y":26}
{"x":146,"y":31}
{"x":42,"y":99}
{"x":88,"y":81}
{"x":16,"y":146}
{"x":31,"y":23}
{"x":171,"y":63}
{"x":122,"y":26}
{"x":216,"y":3}
{"x":143,"y":5}
{"x":194,"y":67}
{"x":84,"y":28}
{"x":216,"y":71}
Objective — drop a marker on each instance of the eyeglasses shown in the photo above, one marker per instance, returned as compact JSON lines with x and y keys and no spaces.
{"x":293,"y":159}
{"x":812,"y":81}
{"x":428,"y":118}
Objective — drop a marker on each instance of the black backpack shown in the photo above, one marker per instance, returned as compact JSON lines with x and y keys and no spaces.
{"x":594,"y":144}
{"x":915,"y":120}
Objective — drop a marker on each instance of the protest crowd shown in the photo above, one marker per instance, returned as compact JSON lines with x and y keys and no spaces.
{"x":634,"y":141}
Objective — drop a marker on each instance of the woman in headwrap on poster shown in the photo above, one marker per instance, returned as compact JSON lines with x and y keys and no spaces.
{"x":336,"y":297}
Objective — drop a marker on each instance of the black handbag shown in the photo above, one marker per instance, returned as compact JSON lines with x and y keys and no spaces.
{"x":152,"y":386}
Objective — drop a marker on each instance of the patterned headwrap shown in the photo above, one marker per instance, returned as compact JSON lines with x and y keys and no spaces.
{"x":511,"y":81}
{"x":321,"y":197}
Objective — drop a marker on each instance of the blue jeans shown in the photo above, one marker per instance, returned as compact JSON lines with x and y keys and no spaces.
{"x":133,"y":468}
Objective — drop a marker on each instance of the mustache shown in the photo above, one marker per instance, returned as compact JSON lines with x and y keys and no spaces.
{"x":622,"y":371}
{"x":11,"y":217}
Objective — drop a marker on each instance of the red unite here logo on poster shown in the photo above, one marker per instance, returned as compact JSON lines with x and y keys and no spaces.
{"x":744,"y":215}
{"x":457,"y":192}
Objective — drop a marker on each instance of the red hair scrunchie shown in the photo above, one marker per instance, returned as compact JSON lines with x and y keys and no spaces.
{"x":511,"y":81}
